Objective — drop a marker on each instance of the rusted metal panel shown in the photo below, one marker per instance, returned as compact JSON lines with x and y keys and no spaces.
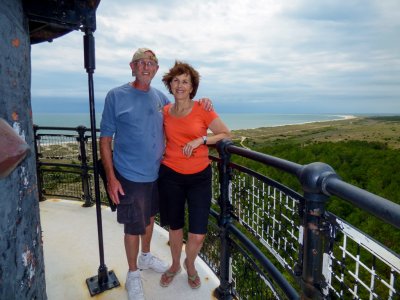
{"x":21,"y":261}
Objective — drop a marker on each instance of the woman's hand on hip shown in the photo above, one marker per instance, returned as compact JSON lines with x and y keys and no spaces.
{"x":189,"y":147}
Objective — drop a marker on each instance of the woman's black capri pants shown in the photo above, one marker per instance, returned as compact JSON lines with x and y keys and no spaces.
{"x":175,"y":189}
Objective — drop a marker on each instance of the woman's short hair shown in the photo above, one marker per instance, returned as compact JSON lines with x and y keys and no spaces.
{"x":182,"y":68}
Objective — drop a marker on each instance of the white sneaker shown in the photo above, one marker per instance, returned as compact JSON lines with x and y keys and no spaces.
{"x":133,"y":285}
{"x":152,"y":262}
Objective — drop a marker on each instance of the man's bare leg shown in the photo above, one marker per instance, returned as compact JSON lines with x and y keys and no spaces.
{"x":132,"y":250}
{"x":148,"y":260}
{"x":146,"y":237}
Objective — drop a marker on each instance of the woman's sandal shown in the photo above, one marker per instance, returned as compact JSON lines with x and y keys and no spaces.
{"x":167,"y":277}
{"x":192,"y":281}
{"x":193,"y":278}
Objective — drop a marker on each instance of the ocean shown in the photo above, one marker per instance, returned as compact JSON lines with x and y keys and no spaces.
{"x":233,"y":120}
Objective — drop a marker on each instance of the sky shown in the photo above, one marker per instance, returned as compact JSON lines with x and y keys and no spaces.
{"x":265,"y":56}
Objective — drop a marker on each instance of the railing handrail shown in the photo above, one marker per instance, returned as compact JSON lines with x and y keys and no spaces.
{"x":374,"y":204}
{"x":311,"y":231}
{"x":63,"y":128}
{"x":49,"y":164}
{"x":329,"y":184}
{"x":279,"y":163}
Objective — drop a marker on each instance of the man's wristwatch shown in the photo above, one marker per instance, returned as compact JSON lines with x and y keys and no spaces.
{"x":204,"y":139}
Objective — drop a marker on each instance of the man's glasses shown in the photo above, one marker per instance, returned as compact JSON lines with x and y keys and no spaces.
{"x":148,"y":64}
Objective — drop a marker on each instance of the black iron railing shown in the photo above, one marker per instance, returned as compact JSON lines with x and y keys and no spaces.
{"x":265,"y":240}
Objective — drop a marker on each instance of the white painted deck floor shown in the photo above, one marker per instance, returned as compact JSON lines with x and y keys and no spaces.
{"x":71,"y":255}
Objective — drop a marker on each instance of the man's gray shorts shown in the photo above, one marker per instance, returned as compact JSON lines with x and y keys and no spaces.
{"x":137,"y":206}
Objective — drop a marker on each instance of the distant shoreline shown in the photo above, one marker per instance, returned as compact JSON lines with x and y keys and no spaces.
{"x":235,"y":121}
{"x":347,"y":117}
{"x":344,"y":118}
{"x":352,"y":128}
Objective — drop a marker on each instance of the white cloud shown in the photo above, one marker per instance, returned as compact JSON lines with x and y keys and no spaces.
{"x":266,"y":50}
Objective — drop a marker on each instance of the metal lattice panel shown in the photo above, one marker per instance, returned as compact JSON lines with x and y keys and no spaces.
{"x":269,"y":214}
{"x":63,"y":184}
{"x":359,"y":267}
{"x":58,"y":147}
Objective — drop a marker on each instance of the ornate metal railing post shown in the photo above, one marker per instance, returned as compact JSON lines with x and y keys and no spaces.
{"x":39,"y":172}
{"x":313,"y":178}
{"x":86,"y":195}
{"x":224,"y":289}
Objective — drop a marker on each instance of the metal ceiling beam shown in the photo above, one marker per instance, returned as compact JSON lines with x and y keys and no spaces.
{"x":50,"y":19}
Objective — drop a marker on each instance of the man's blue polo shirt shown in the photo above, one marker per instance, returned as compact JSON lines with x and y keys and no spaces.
{"x":135,"y":120}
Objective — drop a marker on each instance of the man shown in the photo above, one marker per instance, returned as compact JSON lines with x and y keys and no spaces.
{"x":132,"y":116}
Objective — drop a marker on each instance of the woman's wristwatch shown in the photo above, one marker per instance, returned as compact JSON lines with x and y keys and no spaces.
{"x":204,"y":139}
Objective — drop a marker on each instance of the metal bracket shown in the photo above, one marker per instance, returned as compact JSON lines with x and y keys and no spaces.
{"x":96,"y":287}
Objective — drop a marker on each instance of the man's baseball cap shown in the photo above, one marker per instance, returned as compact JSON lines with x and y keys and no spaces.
{"x":140,"y":53}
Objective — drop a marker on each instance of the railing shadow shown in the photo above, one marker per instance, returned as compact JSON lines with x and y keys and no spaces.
{"x":265,"y":240}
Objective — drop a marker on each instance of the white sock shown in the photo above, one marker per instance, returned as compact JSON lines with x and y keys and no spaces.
{"x":145,"y":254}
{"x":137,"y":272}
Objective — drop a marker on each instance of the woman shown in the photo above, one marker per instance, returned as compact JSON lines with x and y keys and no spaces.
{"x":185,"y":172}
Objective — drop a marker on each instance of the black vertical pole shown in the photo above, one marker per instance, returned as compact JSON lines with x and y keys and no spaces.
{"x":224,"y":289}
{"x":312,"y":178}
{"x":104,"y":280}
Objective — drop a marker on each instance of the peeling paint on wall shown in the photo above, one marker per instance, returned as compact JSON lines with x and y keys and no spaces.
{"x":15,"y":43}
{"x":17,"y":128}
{"x":29,"y":263}
{"x":24,"y":177}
